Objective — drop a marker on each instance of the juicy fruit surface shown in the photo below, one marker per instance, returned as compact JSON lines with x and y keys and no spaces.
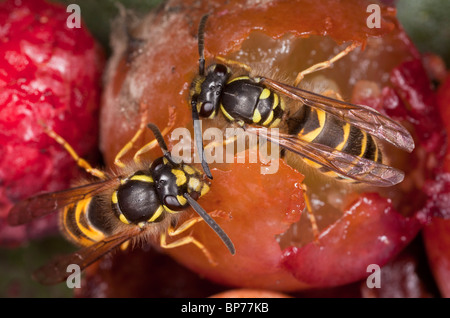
{"x":258,"y":211}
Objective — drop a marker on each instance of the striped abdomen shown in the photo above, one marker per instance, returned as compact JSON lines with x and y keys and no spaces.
{"x":83,"y":222}
{"x":317,"y":126}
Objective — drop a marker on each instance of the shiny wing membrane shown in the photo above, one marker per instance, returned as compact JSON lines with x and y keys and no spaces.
{"x":346,"y":165}
{"x":46,"y":203}
{"x":56,"y":271}
{"x":360,"y":116}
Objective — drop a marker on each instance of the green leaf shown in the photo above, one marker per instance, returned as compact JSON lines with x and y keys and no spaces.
{"x":98,"y":15}
{"x":428,"y":25}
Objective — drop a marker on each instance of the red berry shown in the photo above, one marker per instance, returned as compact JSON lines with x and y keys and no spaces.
{"x":49,"y":74}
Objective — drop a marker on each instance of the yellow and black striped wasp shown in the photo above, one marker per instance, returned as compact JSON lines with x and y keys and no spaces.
{"x":138,"y":202}
{"x":336,"y":137}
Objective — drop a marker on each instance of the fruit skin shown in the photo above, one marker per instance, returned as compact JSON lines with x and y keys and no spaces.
{"x":156,"y":79}
{"x":49,"y":74}
{"x":436,"y":232}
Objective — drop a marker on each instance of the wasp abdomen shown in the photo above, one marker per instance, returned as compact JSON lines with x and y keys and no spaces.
{"x":83,"y":222}
{"x":317,"y":126}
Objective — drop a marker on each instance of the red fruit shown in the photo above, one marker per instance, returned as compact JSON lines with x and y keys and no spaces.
{"x":49,"y":74}
{"x":370,"y":232}
{"x":262,"y":213}
{"x":437,"y":233}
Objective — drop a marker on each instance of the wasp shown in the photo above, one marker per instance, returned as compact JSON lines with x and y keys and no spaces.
{"x":137,"y":202}
{"x":336,"y":137}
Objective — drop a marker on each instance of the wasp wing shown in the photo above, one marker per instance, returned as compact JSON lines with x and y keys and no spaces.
{"x":56,"y":270}
{"x":46,"y":203}
{"x":346,"y":165}
{"x":363,"y":117}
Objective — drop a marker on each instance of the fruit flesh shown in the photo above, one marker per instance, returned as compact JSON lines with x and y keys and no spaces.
{"x":284,"y":37}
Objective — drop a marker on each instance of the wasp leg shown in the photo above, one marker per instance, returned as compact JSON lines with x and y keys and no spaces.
{"x":80,"y":161}
{"x":130,"y":144}
{"x":236,"y":63}
{"x":333,"y":94}
{"x":325,"y":64}
{"x":312,"y":218}
{"x":149,"y":146}
{"x":225,"y":142}
{"x":186,"y":240}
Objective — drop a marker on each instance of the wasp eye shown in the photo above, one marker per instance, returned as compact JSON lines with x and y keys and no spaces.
{"x":172,"y":203}
{"x":221,"y":70}
{"x":206,"y":109}
{"x":158,"y":165}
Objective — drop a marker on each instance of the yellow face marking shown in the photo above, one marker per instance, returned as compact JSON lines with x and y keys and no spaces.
{"x":114,"y":197}
{"x":346,"y":129}
{"x":123,"y":219}
{"x":156,"y":215}
{"x":194,"y":184}
{"x":180,"y":175}
{"x":141,"y":224}
{"x":256,"y":116}
{"x":309,"y":137}
{"x":182,"y":200}
{"x":189,"y":170}
{"x":265,"y":94}
{"x":238,"y":79}
{"x":205,"y":189}
{"x":143,"y":178}
{"x":268,"y":120}
{"x":230,"y":118}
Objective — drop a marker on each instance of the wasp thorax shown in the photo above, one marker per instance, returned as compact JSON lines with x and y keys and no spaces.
{"x":136,"y":200}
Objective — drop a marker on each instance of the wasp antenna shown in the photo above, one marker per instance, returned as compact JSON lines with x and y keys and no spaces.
{"x":199,"y":139}
{"x":201,"y":44}
{"x":210,"y":221}
{"x":161,"y":142}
